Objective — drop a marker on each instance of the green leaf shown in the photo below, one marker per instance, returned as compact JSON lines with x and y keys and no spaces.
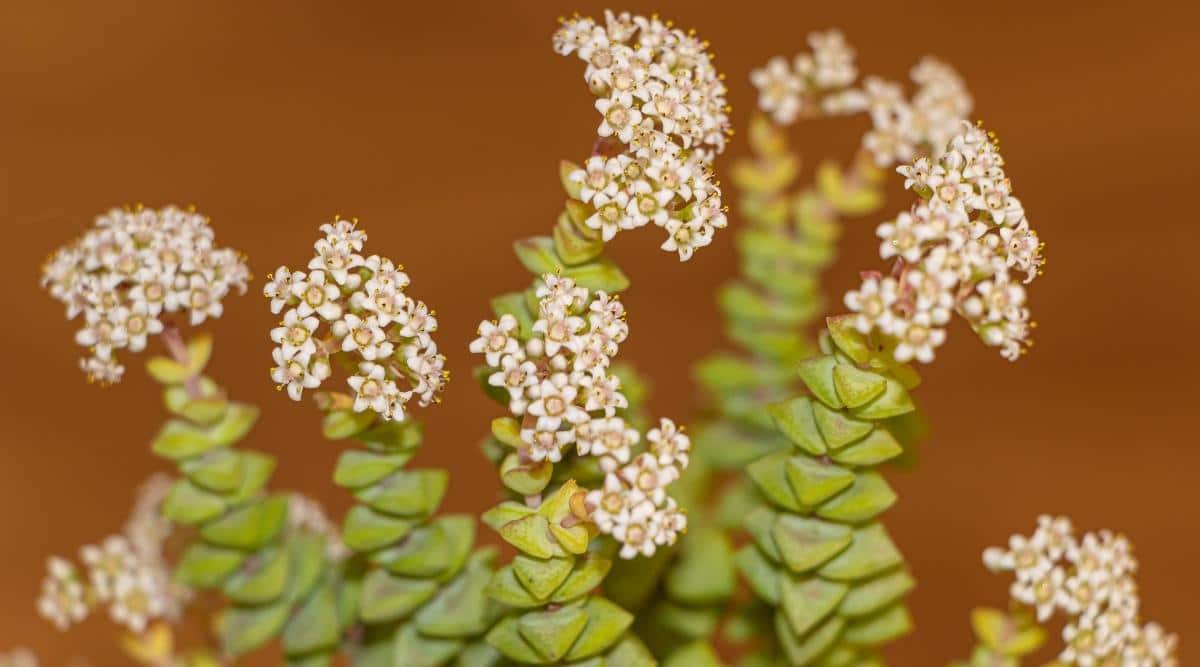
{"x":807,"y":543}
{"x":315,"y":626}
{"x":542,"y":576}
{"x":857,"y":387}
{"x":704,"y":572}
{"x":525,"y":479}
{"x":805,"y":651}
{"x":243,"y":629}
{"x":770,"y":476}
{"x":589,"y":571}
{"x":513,"y":304}
{"x":696,"y":654}
{"x":188,"y":504}
{"x":219,"y":470}
{"x":167,"y":371}
{"x":876,"y":448}
{"x":506,"y":589}
{"x":600,"y":274}
{"x":412,"y":649}
{"x":537,"y":255}
{"x":407,"y":493}
{"x":248,"y":527}
{"x":760,"y":573}
{"x":342,"y":424}
{"x":894,"y":401}
{"x":357,"y":468}
{"x":571,"y":187}
{"x":505,"y":638}
{"x":262,"y":579}
{"x":307,"y":564}
{"x":867,"y":497}
{"x":848,"y":339}
{"x":870,"y":553}
{"x":365,"y":529}
{"x":817,"y":375}
{"x":883,"y":627}
{"x":178,"y":440}
{"x":206,"y":566}
{"x":393,"y":436}
{"x":234,"y":426}
{"x":437,"y":549}
{"x":759,"y":522}
{"x":1003,"y":633}
{"x":461,"y":608}
{"x":806,"y":602}
{"x":508,"y":431}
{"x":505,"y":512}
{"x":606,"y":623}
{"x":815,"y":481}
{"x":532,"y":535}
{"x":256,"y":470}
{"x":871,"y":596}
{"x":387,"y":597}
{"x":572,"y":246}
{"x":551,"y":633}
{"x":795,"y":419}
{"x":837,"y":428}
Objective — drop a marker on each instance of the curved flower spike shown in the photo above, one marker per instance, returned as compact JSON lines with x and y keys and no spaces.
{"x":354,"y":308}
{"x":822,"y":82}
{"x":664,"y":118}
{"x":562,"y":391}
{"x":1090,"y":582}
{"x":134,"y":269}
{"x":956,"y":250}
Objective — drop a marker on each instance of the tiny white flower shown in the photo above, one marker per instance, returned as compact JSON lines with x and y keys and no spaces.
{"x":295,"y":334}
{"x":496,"y":339}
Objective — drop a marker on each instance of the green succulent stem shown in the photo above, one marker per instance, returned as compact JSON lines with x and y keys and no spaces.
{"x":549,"y":586}
{"x":1004,"y":639}
{"x":279,"y":582}
{"x":419,"y":588}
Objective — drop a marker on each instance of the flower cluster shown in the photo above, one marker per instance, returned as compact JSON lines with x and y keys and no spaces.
{"x":664,"y":118}
{"x":20,"y":657}
{"x":126,"y":571}
{"x":354,"y":306}
{"x":822,"y":82}
{"x":306,"y":515}
{"x":1090,"y":581}
{"x":561,"y":387}
{"x":955,"y":251}
{"x":134,"y":269}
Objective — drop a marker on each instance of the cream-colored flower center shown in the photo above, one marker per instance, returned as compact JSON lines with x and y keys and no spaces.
{"x":297,"y":335}
{"x":515,"y":378}
{"x":154,"y":292}
{"x":602,"y":58}
{"x":635,"y":535}
{"x":612,"y":503}
{"x":617,"y":116}
{"x":647,"y":205}
{"x":555,"y":406}
{"x":647,"y":480}
{"x":597,"y":179}
{"x":314,"y":295}
{"x":370,"y":389}
{"x":610,"y":213}
{"x":135,"y":325}
{"x":683,"y":236}
{"x":362,"y":336}
{"x":497,"y":341}
{"x":947,"y":193}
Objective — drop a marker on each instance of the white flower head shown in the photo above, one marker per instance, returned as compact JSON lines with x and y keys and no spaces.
{"x":62,"y":600}
{"x":663,"y":119}
{"x":354,"y":308}
{"x":134,"y":270}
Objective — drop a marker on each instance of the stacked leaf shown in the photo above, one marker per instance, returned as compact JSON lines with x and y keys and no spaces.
{"x":279,"y":581}
{"x":1004,"y":639}
{"x":819,"y":555}
{"x":420,"y":598}
{"x":787,"y":239}
{"x":555,"y":619}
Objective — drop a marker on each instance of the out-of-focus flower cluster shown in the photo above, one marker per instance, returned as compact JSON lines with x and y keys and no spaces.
{"x":20,"y":657}
{"x":306,"y":515}
{"x":959,"y":250}
{"x":664,"y":120}
{"x":347,"y":304}
{"x":560,"y":386}
{"x":1090,"y":581}
{"x":131,"y":271}
{"x":127,"y":571}
{"x":824,"y":82}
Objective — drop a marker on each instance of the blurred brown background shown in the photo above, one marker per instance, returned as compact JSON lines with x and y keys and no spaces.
{"x":441,"y":125}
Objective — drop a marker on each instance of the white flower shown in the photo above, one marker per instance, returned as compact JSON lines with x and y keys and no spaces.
{"x":204,"y":298}
{"x":62,"y":598}
{"x":518,"y":376}
{"x":634,"y":529}
{"x":668,"y":444}
{"x":107,"y":562}
{"x":372,"y":389}
{"x":873,"y":302}
{"x":556,"y":401}
{"x":298,"y":373}
{"x":138,"y":597}
{"x":279,"y":287}
{"x":619,"y":116}
{"x":608,"y":503}
{"x":545,"y":441}
{"x":648,"y":479}
{"x":295,"y":334}
{"x":599,"y":175}
{"x":496,"y":339}
{"x":918,"y":338}
{"x":608,"y":438}
{"x":602,"y":391}
{"x":317,"y":296}
{"x":336,"y":259}
{"x":560,"y":331}
{"x":779,"y":90}
{"x":611,"y":214}
{"x":684,"y":237}
{"x":363,"y":336}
